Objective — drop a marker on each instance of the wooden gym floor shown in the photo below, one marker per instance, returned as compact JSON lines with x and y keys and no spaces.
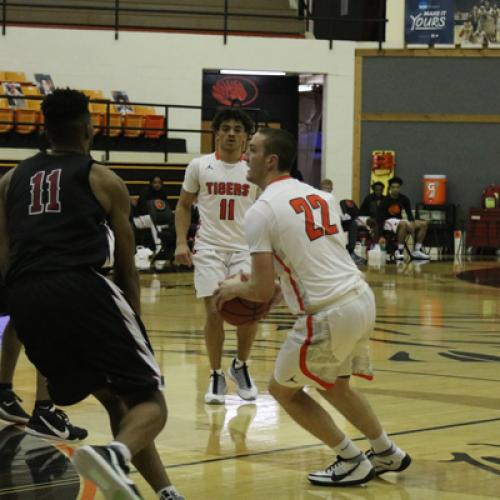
{"x":436,"y":350}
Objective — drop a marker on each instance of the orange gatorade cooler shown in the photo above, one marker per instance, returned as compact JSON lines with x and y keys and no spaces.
{"x":434,"y":189}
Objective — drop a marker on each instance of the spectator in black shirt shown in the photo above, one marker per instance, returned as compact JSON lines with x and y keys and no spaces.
{"x":154,"y":214}
{"x":370,"y":204}
{"x":155,"y":191}
{"x":390,"y":218}
{"x":369,"y":209}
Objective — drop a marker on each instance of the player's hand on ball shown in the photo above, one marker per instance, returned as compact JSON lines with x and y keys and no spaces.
{"x":183,"y":255}
{"x":227,"y":290}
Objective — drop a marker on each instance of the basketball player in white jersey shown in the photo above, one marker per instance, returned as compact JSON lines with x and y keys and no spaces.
{"x":296,"y":229}
{"x":218,"y":183}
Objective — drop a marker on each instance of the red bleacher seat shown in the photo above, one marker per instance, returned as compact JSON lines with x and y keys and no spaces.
{"x":154,"y":125}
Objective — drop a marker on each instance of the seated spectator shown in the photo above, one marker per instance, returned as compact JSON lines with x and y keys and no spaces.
{"x":390,"y":218}
{"x":349,"y":214}
{"x":155,"y":191}
{"x":369,"y":209}
{"x":153,"y":212}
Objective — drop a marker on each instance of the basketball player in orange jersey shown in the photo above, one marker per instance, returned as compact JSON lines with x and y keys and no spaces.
{"x":80,"y":329}
{"x":218,"y":182}
{"x":297,"y":229}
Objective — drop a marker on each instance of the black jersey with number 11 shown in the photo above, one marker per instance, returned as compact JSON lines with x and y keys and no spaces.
{"x":55,"y":222}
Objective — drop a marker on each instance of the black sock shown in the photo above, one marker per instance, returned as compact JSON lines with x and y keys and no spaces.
{"x":43,"y":404}
{"x":6,"y":387}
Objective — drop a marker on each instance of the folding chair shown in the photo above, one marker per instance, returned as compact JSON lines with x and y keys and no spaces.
{"x":391,"y":244}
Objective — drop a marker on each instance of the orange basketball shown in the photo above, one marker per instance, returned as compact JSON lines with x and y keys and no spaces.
{"x":240,"y":311}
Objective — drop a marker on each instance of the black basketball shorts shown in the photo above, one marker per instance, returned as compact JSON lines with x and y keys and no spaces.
{"x":3,"y":299}
{"x":83,"y":336}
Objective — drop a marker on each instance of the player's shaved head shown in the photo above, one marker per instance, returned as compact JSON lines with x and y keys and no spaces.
{"x":282,"y":144}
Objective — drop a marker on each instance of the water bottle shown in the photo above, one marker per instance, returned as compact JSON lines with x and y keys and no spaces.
{"x":363,"y":248}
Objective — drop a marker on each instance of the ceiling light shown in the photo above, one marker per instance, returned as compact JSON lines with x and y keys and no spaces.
{"x":251,"y":72}
{"x":305,"y":88}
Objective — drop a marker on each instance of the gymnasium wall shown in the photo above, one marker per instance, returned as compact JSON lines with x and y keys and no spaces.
{"x":167,"y":68}
{"x":405,"y":95}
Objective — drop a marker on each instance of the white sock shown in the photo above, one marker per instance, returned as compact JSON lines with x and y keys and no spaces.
{"x":418,"y":246}
{"x":219,"y":371}
{"x":238,"y":363}
{"x":167,"y":492}
{"x":123,"y":449}
{"x":401,"y":247}
{"x":347,"y":449}
{"x":382,"y":443}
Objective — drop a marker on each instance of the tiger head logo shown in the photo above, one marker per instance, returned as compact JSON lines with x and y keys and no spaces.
{"x":160,"y":205}
{"x":235,"y":90}
{"x":394,"y":209}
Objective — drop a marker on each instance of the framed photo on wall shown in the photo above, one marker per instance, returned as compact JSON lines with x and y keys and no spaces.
{"x":44,"y":83}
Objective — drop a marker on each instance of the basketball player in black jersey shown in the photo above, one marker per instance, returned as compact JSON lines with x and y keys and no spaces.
{"x":81,"y":330}
{"x":46,"y":420}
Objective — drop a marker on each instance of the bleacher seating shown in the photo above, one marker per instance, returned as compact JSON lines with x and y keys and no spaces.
{"x":133,"y":124}
{"x":154,"y":125}
{"x":14,"y":76}
{"x":6,"y":116}
{"x":142,"y":121}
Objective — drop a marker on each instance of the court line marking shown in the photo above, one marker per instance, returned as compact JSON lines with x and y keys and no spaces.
{"x":317,"y":445}
{"x":41,"y":486}
{"x":437,"y":375}
{"x":268,"y":452}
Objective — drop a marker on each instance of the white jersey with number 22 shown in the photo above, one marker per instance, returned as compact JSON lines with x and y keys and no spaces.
{"x":301,"y":226}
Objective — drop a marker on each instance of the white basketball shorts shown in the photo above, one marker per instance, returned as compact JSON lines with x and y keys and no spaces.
{"x":331,"y":343}
{"x":213,"y":266}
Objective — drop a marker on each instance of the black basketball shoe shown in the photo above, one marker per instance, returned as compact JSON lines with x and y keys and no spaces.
{"x":53,"y":423}
{"x":10,"y":409}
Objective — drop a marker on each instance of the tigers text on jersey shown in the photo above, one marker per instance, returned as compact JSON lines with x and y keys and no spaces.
{"x":224,"y":196}
{"x":301,"y":226}
{"x":54,"y":221}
